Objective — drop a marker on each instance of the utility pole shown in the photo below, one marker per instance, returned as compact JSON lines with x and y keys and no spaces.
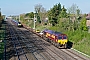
{"x":19,"y":17}
{"x":34,"y":21}
{"x":0,"y":9}
{"x":0,"y":13}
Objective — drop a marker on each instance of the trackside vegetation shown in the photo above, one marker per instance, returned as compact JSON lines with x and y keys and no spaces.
{"x":67,"y":20}
{"x":2,"y":35}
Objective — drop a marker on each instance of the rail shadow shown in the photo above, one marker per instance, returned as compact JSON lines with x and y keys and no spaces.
{"x":11,"y":52}
{"x":27,"y":41}
{"x":27,"y":44}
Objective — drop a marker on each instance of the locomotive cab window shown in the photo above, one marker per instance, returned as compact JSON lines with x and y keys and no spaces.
{"x":64,"y":37}
{"x":60,"y":37}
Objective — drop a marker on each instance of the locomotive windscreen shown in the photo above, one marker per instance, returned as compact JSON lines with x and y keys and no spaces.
{"x":60,"y":37}
{"x":64,"y":37}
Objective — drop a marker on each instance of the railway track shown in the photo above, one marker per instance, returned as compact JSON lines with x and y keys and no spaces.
{"x":28,"y":46}
{"x":67,"y":52}
{"x":17,"y":46}
{"x":41,"y":47}
{"x":53,"y":54}
{"x":73,"y":55}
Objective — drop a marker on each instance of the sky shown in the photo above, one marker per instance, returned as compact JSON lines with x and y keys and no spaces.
{"x":16,"y":7}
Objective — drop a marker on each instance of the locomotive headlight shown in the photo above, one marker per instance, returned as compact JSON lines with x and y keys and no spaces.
{"x":19,"y":24}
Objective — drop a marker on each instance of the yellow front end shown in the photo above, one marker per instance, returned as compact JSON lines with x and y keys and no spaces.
{"x":62,"y":42}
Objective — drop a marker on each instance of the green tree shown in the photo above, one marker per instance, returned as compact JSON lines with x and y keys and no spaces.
{"x":27,"y":14}
{"x":30,"y":15}
{"x":78,"y":13}
{"x":72,"y":9}
{"x":41,"y":13}
{"x":38,"y":8}
{"x":83,"y":24}
{"x":63,"y":13}
{"x":53,"y":14}
{"x":74,"y":12}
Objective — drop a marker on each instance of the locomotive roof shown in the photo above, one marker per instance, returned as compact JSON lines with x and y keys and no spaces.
{"x":53,"y":32}
{"x":50,"y":31}
{"x":57,"y":33}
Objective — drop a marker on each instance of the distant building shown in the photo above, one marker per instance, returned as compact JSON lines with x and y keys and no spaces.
{"x":4,"y":16}
{"x":88,"y":19}
{"x":22,"y":14}
{"x":8,"y":18}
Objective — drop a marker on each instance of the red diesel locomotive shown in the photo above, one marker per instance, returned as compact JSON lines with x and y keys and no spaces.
{"x":57,"y":38}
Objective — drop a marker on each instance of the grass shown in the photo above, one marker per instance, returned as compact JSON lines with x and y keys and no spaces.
{"x":80,"y":39}
{"x":1,"y":50}
{"x":84,"y":44}
{"x":2,"y":34}
{"x":42,"y":27}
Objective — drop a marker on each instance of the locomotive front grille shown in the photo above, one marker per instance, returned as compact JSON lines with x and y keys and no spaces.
{"x":62,"y":41}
